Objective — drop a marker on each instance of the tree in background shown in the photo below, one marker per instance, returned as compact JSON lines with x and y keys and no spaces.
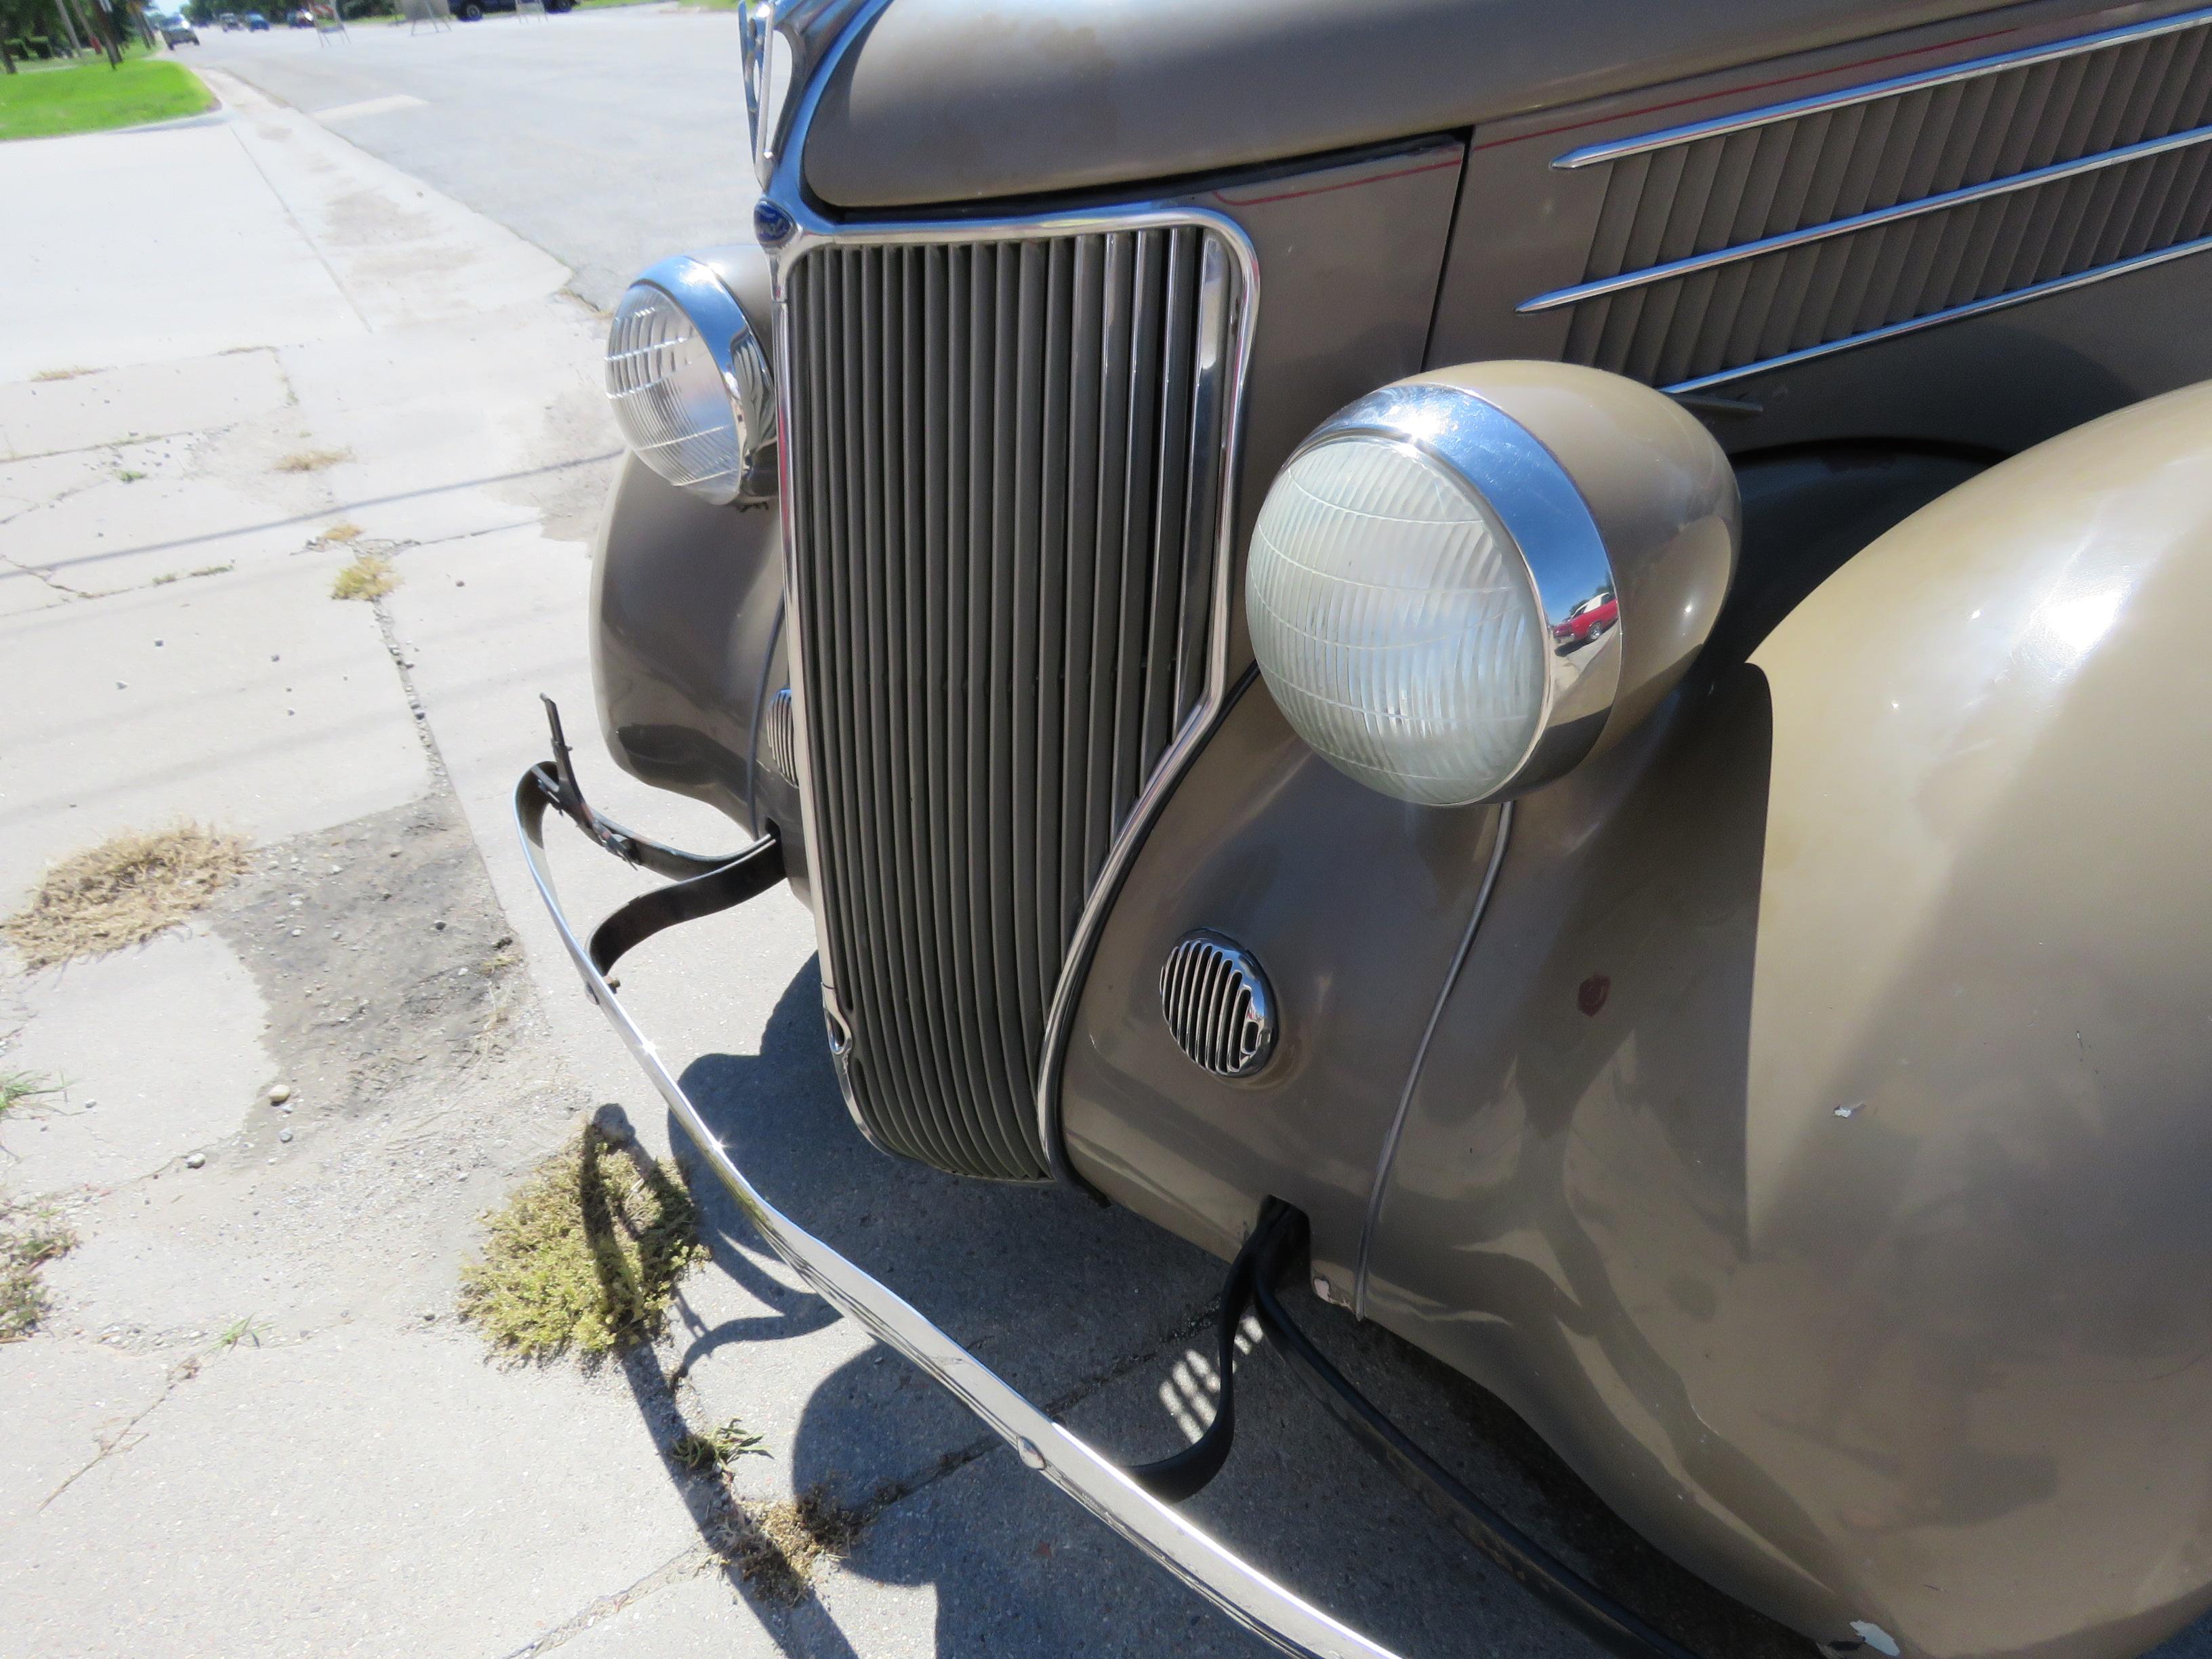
{"x":62,"y":26}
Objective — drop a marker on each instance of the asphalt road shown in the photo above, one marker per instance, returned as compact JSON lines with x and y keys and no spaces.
{"x":608,"y":138}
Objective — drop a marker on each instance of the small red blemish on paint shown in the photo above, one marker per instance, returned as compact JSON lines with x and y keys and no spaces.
{"x":1044,"y":1552}
{"x":1590,"y":994}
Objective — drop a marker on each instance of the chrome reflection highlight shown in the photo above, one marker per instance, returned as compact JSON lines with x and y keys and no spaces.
{"x":1431,"y":601}
{"x":779,"y":751}
{"x":766,"y":71}
{"x":689,"y":384}
{"x":1217,"y":1006}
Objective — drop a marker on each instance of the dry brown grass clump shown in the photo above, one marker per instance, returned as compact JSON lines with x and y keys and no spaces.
{"x":789,"y":1538}
{"x":586,"y":1254}
{"x":60,"y":373}
{"x":370,"y":576}
{"x":29,"y":1240}
{"x":312,"y":460}
{"x":123,"y":891}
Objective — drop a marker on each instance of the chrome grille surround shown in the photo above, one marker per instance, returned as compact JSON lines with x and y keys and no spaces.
{"x":948,"y":1028}
{"x":1751,"y":241}
{"x":1217,"y":1006}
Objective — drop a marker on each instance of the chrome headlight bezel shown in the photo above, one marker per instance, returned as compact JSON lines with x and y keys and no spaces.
{"x":1555,"y":542}
{"x":740,"y":357}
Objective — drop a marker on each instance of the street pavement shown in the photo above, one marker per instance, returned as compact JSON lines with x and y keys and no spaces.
{"x":634,"y":111}
{"x":352,"y":1475}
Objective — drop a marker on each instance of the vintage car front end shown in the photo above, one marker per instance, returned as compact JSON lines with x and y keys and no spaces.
{"x":1532,"y":661}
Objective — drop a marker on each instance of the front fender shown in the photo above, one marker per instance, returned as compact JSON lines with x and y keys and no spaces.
{"x":1354,"y":906}
{"x":1813,"y":1148}
{"x":687,"y":647}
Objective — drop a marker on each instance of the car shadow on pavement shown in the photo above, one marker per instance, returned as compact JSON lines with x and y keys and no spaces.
{"x":1086,"y":1310}
{"x":750,"y":1559}
{"x":1057,"y":1294}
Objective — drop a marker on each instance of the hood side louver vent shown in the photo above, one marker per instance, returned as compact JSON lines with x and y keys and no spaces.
{"x":1761,"y":239}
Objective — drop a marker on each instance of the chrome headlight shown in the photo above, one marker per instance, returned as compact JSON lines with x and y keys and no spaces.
{"x":689,"y":382}
{"x":1437,"y":608}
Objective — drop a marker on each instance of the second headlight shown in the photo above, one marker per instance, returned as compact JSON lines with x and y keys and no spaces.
{"x":688,"y":377}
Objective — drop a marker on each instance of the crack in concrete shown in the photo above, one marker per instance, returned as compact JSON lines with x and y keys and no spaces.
{"x":323,"y":515}
{"x":705,"y":1555}
{"x":898,"y":1489}
{"x":122,"y":1441}
{"x":700,"y":1558}
{"x":47,"y":577}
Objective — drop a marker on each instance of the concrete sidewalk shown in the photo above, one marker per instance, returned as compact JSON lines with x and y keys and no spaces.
{"x":259,"y":352}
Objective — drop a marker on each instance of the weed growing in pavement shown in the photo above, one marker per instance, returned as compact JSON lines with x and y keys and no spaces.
{"x":29,"y":1240}
{"x":586,"y":1254}
{"x":204,"y":570}
{"x":788,"y":1540}
{"x":248,"y":1330}
{"x":717,"y":1449}
{"x":123,"y":891}
{"x":345,"y":531}
{"x":370,"y":576}
{"x":129,"y":476}
{"x":312,"y":460}
{"x":60,"y":373}
{"x":19,"y":1089}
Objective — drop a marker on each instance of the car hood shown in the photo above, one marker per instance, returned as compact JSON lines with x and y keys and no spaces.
{"x":958,"y":100}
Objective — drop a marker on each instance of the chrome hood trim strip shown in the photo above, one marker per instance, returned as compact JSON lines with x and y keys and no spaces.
{"x":1690,"y":265}
{"x":1615,"y":149}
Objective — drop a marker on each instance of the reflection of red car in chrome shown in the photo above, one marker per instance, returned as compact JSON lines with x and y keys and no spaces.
{"x":1588,"y":620}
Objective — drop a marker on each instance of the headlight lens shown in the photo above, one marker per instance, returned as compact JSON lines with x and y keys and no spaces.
{"x":684,"y":406}
{"x":1396,"y":622}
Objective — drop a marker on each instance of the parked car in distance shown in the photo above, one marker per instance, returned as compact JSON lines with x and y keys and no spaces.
{"x":472,"y":11}
{"x":175,"y":32}
{"x":231,"y":22}
{"x":255,"y":22}
{"x":302,"y":18}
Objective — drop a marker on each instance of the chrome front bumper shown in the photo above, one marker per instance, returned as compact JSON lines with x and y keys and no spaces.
{"x":1239,"y":1588}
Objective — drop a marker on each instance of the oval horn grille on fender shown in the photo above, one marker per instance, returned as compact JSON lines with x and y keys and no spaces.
{"x":776,"y":749}
{"x":1217,"y":1006}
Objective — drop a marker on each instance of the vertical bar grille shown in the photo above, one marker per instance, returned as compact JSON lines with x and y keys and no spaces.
{"x":1007,"y":459}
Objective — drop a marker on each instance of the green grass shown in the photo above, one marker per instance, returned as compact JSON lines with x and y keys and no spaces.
{"x":717,"y":1449}
{"x":90,"y":97}
{"x":29,"y":1240}
{"x":585,"y":1253}
{"x":25,"y":1089}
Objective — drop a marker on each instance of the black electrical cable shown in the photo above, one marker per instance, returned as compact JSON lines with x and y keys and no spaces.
{"x":1277,"y":1242}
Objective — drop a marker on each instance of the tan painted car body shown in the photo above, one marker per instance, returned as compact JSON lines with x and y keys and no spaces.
{"x":1810,"y":1146}
{"x":1820,"y":1123}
